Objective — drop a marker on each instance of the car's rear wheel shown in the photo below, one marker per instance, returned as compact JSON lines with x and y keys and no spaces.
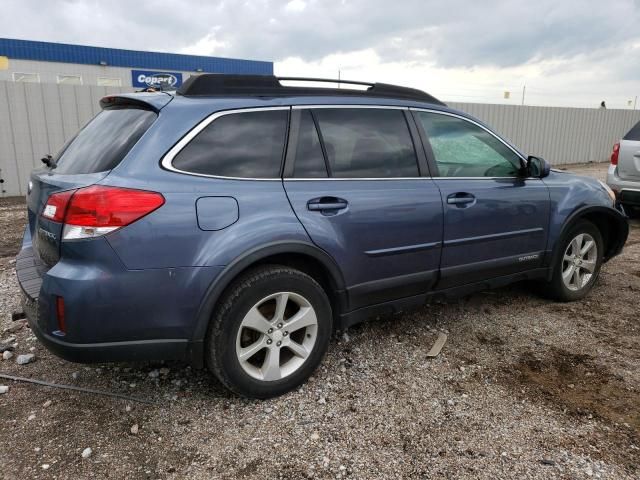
{"x":269,"y":333}
{"x":577,"y":264}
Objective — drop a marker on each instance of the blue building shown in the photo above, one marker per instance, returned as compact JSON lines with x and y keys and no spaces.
{"x":45,"y":62}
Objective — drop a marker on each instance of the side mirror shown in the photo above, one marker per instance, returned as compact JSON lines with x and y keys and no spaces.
{"x":538,"y":167}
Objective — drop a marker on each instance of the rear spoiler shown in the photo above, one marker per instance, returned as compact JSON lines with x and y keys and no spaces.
{"x":152,"y":101}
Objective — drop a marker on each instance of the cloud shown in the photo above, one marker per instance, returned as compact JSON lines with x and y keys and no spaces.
{"x":510,"y":39}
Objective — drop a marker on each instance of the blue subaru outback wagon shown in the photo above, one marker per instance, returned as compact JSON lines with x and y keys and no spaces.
{"x":239,"y":221}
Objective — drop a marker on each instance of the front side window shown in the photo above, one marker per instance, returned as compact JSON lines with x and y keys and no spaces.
{"x":366,"y":142}
{"x":462,"y":149}
{"x":245,"y":145}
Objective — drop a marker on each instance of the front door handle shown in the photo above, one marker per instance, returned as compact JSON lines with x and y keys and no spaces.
{"x":460,"y":199}
{"x":327,"y":204}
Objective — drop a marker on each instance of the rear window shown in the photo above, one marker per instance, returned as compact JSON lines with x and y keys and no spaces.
{"x":245,"y":145}
{"x":633,"y":134}
{"x":104,"y":141}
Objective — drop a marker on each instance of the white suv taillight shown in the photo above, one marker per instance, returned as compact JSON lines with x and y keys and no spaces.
{"x":93,"y":211}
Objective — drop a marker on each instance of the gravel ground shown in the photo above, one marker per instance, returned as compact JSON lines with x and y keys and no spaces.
{"x":524,"y":388}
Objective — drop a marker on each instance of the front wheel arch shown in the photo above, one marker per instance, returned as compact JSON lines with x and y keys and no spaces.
{"x":611,"y":223}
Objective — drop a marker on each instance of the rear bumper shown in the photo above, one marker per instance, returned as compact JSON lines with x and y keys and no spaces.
{"x":141,"y":350}
{"x":113,"y":314}
{"x":627,"y":191}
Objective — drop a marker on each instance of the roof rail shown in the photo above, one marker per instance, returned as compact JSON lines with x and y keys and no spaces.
{"x":217,"y":84}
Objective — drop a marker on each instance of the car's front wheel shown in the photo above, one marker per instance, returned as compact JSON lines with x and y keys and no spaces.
{"x":269,"y":333}
{"x":577,"y":264}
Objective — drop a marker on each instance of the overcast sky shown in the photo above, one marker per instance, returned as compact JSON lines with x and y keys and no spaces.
{"x":567,"y":52}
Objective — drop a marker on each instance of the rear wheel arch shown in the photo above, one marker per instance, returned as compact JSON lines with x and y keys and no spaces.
{"x":299,"y":255}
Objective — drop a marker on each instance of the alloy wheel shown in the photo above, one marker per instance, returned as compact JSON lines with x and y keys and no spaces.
{"x":276,"y":336}
{"x":579,"y":262}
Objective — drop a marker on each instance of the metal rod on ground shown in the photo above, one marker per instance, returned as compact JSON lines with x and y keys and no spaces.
{"x":77,"y":389}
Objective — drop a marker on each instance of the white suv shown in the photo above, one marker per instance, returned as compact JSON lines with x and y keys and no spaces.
{"x":624,"y":172}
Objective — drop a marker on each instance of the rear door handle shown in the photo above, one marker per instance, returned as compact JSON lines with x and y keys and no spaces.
{"x":327,"y":204}
{"x":460,"y":198}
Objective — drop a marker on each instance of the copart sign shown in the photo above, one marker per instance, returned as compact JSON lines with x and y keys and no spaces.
{"x":149,"y":78}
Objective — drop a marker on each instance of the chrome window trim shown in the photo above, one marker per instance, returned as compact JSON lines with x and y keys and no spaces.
{"x":167,"y":160}
{"x":346,"y":105}
{"x":291,"y":179}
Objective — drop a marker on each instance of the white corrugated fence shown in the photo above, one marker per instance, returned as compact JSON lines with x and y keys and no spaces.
{"x":37,"y":118}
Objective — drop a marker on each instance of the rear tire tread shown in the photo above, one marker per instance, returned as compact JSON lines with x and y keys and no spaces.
{"x":216,"y":326}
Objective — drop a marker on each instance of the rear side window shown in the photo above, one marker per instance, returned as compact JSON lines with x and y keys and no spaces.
{"x":367,"y":143}
{"x":633,"y":134}
{"x":104,"y":141}
{"x":246,"y":145}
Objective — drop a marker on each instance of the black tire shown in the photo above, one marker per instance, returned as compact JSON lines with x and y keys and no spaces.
{"x":632,"y":212}
{"x":556,"y":288}
{"x":239,"y":298}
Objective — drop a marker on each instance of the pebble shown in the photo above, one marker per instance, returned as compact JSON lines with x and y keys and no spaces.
{"x":154,"y":373}
{"x":135,"y":429}
{"x":6,"y":355}
{"x":45,"y":466}
{"x":4,"y":389}
{"x":47,"y":404}
{"x":31,"y":417}
{"x":16,"y":327}
{"x":450,"y":402}
{"x":164,"y":371}
{"x":315,"y":436}
{"x":24,"y":359}
{"x":268,"y":410}
{"x":75,"y":375}
{"x":86,"y":453}
{"x":322,"y":400}
{"x":127,"y":408}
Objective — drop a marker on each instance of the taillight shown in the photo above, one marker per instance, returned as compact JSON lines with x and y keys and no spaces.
{"x":614,"y":154}
{"x":57,"y":206}
{"x":96,"y":210}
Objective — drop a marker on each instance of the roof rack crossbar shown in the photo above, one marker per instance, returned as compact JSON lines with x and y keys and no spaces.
{"x":216,"y":84}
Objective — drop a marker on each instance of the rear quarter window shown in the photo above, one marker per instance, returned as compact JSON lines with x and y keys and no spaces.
{"x":242,"y":145}
{"x":633,"y":134}
{"x":103,"y":143}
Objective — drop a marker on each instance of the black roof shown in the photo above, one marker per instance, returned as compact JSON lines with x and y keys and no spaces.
{"x":216,"y":84}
